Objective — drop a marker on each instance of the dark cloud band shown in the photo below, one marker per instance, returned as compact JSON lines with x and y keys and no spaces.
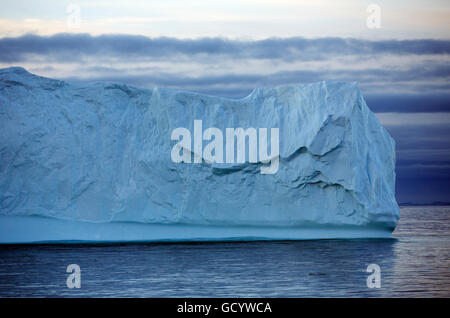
{"x":76,"y":46}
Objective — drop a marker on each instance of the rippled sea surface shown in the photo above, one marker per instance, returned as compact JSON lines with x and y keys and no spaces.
{"x":414,"y":264}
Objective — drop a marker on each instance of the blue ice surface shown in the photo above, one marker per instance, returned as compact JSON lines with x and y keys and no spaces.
{"x":98,"y":156}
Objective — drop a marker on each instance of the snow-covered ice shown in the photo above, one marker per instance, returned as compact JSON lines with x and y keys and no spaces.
{"x":92,"y":162}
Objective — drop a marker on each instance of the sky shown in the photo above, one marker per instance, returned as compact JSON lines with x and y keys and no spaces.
{"x":397,"y":51}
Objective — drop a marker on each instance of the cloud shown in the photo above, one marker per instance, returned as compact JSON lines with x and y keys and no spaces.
{"x":423,"y":159}
{"x":240,"y":85}
{"x":396,"y":68}
{"x":76,"y":46}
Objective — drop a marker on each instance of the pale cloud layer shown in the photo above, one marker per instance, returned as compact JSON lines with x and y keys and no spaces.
{"x":234,"y":67}
{"x":414,"y":119}
{"x":232,"y":18}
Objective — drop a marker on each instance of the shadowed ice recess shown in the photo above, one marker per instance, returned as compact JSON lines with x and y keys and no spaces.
{"x":93,"y":163}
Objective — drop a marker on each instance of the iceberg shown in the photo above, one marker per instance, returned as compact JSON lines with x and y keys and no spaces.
{"x":93,"y":163}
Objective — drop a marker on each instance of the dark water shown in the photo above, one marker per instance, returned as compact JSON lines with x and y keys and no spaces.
{"x":415,"y":263}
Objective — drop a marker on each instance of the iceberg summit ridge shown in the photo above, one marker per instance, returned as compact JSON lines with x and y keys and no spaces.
{"x":92,"y":162}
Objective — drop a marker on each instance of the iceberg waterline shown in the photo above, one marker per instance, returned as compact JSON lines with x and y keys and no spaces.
{"x":93,"y":163}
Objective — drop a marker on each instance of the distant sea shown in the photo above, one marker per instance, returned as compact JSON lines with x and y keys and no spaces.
{"x":415,"y":263}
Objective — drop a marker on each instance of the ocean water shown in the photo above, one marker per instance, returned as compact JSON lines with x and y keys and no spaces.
{"x":415,"y":263}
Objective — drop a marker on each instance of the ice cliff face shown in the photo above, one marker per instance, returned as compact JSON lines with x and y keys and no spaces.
{"x":102,"y":153}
